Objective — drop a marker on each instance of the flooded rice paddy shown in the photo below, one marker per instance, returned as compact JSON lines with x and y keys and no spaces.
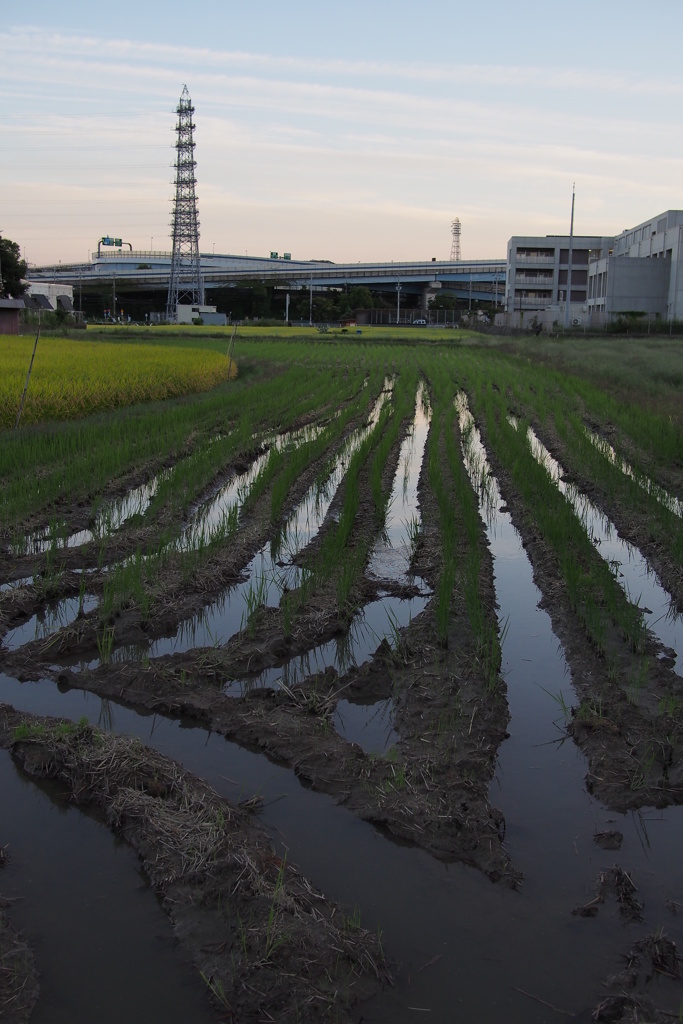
{"x":461,"y":946}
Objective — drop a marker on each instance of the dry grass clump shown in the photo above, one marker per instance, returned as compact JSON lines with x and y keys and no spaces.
{"x":263,"y":938}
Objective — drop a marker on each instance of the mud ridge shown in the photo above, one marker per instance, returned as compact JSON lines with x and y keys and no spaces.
{"x":268,"y":945}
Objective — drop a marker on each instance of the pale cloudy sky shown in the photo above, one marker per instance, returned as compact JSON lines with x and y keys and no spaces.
{"x":346,"y":131}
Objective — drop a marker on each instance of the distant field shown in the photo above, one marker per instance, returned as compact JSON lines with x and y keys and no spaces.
{"x":71,"y":379}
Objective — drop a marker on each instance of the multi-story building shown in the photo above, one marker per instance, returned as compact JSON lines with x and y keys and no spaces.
{"x":642,"y":272}
{"x":538,"y":275}
{"x":638,"y":271}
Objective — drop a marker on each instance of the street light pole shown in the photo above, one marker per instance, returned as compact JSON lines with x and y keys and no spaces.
{"x":398,"y":302}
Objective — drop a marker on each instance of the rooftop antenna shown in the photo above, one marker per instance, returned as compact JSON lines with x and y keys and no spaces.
{"x":568,"y":293}
{"x":455,"y":245}
{"x":186,"y":284}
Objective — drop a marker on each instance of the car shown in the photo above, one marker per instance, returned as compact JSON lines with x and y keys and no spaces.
{"x":419,"y":323}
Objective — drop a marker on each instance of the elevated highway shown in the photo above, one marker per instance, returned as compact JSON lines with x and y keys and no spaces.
{"x":150,"y":271}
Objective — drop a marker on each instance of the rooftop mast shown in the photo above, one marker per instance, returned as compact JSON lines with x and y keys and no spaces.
{"x":455,"y":247}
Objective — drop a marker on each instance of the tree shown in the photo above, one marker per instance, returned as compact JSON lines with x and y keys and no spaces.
{"x":360,"y":297}
{"x":12,"y":269}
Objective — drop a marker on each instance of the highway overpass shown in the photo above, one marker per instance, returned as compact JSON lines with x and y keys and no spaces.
{"x":150,"y":270}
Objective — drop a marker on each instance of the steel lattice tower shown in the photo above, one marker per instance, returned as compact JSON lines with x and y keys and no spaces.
{"x":186,"y":284}
{"x":455,"y":246}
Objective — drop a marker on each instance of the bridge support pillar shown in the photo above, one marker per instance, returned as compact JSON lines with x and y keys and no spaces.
{"x":430,"y":291}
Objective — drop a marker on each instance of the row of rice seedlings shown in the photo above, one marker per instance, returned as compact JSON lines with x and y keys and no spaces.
{"x":479,"y":498}
{"x":671,"y":503}
{"x":40,"y":465}
{"x":108,"y":519}
{"x":594,"y":595}
{"x":307,"y":519}
{"x":626,"y":562}
{"x":352,"y":560}
{"x":441,"y":424}
{"x":213,"y":526}
{"x":654,"y":434}
{"x":547,"y":397}
{"x":337,"y":556}
{"x":334,"y":555}
{"x":635,"y":491}
{"x":265,"y":578}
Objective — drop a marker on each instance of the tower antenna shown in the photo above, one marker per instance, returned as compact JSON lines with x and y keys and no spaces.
{"x":186,"y":284}
{"x":455,"y":245}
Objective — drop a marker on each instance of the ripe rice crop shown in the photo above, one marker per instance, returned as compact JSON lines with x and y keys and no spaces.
{"x":71,"y":379}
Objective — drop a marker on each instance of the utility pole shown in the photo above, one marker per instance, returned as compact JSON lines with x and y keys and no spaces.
{"x":569,"y":263}
{"x":398,"y":302}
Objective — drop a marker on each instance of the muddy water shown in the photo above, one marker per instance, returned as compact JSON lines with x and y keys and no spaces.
{"x":111,"y":517}
{"x":632,"y":571}
{"x":102,"y":942}
{"x":374,"y":622}
{"x":48,"y":620}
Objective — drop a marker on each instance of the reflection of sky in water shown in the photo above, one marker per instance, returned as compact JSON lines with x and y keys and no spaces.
{"x":368,"y":725}
{"x":391,"y":555}
{"x":376,"y":621}
{"x":264,"y":579}
{"x":633,"y":574}
{"x":48,"y":621}
{"x":15,"y":584}
{"x":111,"y":516}
{"x":668,"y":500}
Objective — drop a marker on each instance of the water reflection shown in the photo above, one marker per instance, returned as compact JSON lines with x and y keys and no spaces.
{"x":631,"y":569}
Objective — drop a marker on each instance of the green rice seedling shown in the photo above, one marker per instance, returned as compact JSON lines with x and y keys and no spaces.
{"x":217,"y":990}
{"x":559,"y":699}
{"x":397,"y":640}
{"x":352,"y":921}
{"x":255,"y":599}
{"x":105,"y":644}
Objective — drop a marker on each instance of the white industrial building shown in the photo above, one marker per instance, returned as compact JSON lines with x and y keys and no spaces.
{"x":187,"y":314}
{"x":538,"y":276}
{"x":643,"y":272}
{"x":638,"y":271}
{"x":50,"y":295}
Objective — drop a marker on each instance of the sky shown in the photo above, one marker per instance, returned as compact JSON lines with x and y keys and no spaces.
{"x":351,"y":131}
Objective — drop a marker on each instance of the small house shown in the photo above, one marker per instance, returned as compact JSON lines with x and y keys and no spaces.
{"x":9,"y":315}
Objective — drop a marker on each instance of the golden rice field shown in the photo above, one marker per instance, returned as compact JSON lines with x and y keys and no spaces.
{"x":71,"y":379}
